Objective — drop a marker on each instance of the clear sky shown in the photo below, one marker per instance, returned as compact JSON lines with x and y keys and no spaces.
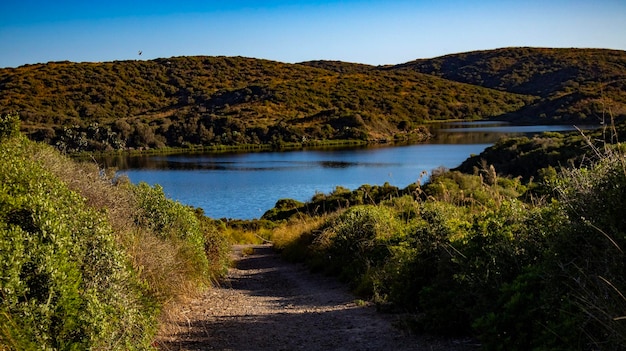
{"x":373,"y":31}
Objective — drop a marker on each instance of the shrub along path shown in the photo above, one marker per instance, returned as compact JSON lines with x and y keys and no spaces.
{"x":269,"y":304}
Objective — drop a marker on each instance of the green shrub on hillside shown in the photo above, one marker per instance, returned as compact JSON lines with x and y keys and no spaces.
{"x":529,"y":157}
{"x":338,"y":199}
{"x":172,"y":221}
{"x":88,"y":261}
{"x":353,"y":244}
{"x":65,"y":284}
{"x":466,"y":254}
{"x":422,"y":258}
{"x":9,"y":126}
{"x":572,"y":295}
{"x":590,"y":250}
{"x":217,"y":247}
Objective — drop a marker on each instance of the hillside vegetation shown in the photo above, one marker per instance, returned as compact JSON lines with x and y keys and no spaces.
{"x":192,"y":101}
{"x":572,"y":85}
{"x":533,"y":157}
{"x":521,"y":263}
{"x":89,"y":262}
{"x":230,"y":100}
{"x":210,"y":101}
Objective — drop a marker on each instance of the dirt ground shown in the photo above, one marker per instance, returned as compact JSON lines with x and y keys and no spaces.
{"x":269,"y":304}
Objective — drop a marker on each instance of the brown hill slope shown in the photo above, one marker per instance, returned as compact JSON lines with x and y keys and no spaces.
{"x":231,"y":100}
{"x":573,"y":84}
{"x":234,"y":100}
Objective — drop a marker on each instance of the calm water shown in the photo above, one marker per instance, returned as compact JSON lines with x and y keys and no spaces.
{"x":245,"y":185}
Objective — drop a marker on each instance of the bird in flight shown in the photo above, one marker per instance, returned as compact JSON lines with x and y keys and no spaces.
{"x":140,"y":52}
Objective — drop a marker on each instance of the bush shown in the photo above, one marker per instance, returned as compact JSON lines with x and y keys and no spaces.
{"x":216,"y":247}
{"x":570,"y":293}
{"x":590,"y":251}
{"x":172,"y":221}
{"x":64,"y":282}
{"x":421,"y":271}
{"x":90,"y":261}
{"x":9,"y":126}
{"x":353,"y":244}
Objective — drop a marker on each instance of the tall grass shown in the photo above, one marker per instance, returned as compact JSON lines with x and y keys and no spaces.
{"x":292,"y":238}
{"x":592,"y":255}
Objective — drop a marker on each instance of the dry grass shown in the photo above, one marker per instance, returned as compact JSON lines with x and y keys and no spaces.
{"x":246,"y":236}
{"x":289,"y":233}
{"x":162,"y":264}
{"x":95,"y":185}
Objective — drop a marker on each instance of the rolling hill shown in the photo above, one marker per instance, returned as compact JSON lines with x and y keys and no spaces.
{"x":572,"y":85}
{"x":187,"y":101}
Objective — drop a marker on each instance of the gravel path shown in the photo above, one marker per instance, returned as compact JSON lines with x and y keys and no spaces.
{"x":269,"y":304}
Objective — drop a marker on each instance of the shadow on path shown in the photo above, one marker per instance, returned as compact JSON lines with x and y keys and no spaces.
{"x":269,"y":304}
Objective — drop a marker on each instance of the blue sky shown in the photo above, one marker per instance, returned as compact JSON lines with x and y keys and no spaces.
{"x":373,"y":32}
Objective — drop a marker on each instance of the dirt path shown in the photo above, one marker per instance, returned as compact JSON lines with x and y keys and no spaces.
{"x":269,"y":304}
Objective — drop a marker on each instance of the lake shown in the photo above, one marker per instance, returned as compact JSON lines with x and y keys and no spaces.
{"x":245,"y":185}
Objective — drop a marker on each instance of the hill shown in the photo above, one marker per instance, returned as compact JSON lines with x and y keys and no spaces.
{"x":231,"y":100}
{"x":571,"y":84}
{"x":209,"y":101}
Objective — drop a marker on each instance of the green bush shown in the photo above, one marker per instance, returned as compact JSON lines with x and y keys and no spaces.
{"x":65,"y":285}
{"x":570,"y":292}
{"x":421,"y":271}
{"x":216,"y":246}
{"x":89,"y":262}
{"x":9,"y":126}
{"x":173,"y":221}
{"x":589,"y":252}
{"x":353,"y":244}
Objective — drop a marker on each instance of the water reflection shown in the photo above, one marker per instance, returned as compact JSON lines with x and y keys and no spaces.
{"x":245,"y":185}
{"x":474,"y":132}
{"x":508,"y":129}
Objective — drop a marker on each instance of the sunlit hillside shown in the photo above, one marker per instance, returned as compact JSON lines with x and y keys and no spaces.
{"x":192,"y":101}
{"x":573,"y":85}
{"x":186,"y":101}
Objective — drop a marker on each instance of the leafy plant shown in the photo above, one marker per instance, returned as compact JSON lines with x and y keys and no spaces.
{"x":9,"y":126}
{"x":65,"y":284}
{"x":173,"y":221}
{"x":352,"y":244}
{"x":90,"y":261}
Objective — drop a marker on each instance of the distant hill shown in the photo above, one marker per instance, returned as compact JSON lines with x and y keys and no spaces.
{"x":572,"y":84}
{"x":185,"y":101}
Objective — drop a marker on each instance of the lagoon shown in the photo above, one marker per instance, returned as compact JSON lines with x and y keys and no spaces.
{"x":245,"y":185}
